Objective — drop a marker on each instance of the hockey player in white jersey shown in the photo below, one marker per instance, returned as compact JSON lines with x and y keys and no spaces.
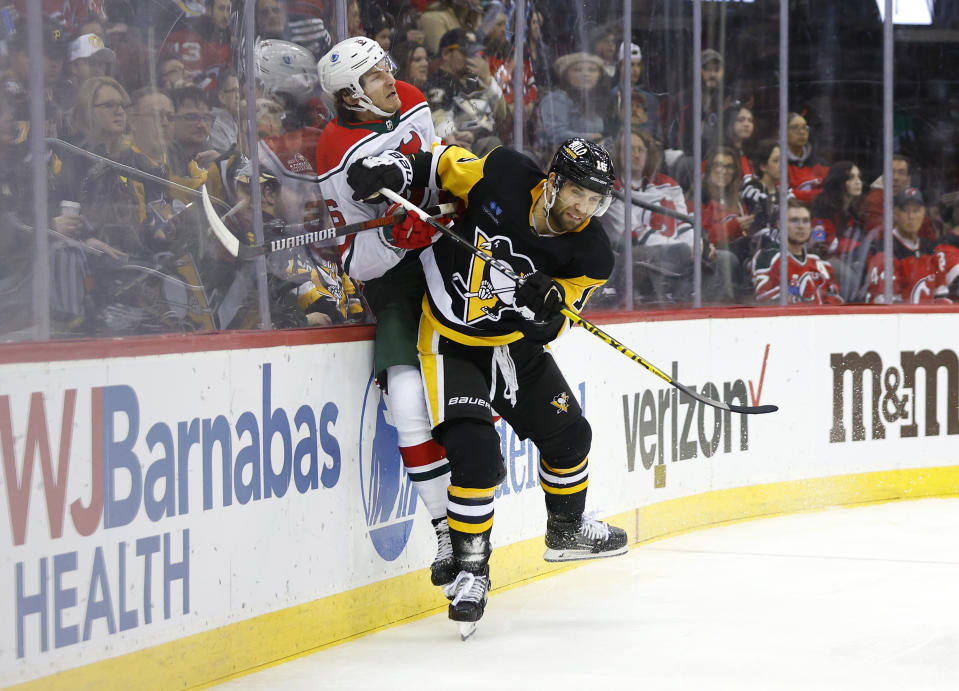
{"x":375,"y":114}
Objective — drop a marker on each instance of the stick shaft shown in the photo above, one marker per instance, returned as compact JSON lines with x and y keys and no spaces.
{"x":141,"y":175}
{"x":657,"y":209}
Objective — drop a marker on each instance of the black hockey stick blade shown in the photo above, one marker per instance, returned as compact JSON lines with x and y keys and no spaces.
{"x":233,"y":246}
{"x":507,"y":271}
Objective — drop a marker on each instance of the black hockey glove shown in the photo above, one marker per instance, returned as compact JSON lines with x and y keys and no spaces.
{"x":390,"y":169}
{"x":538,"y":298}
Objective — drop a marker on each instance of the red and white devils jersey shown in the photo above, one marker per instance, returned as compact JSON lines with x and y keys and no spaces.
{"x":916,"y":276}
{"x":649,"y":228}
{"x":947,"y":263}
{"x":367,"y":255}
{"x":810,"y":279}
{"x":467,"y":300}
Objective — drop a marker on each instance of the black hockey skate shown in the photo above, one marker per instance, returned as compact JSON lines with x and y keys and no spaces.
{"x":568,"y":540}
{"x":467,"y":595}
{"x":443,"y":569}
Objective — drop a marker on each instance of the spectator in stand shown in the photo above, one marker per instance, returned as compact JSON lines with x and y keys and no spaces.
{"x":759,"y":195}
{"x":467,"y":103}
{"x":203,"y":44}
{"x":442,"y":16}
{"x":738,"y":125}
{"x":302,"y":290}
{"x":679,"y":131}
{"x":225,"y":130}
{"x":947,"y":251}
{"x":16,"y":247}
{"x":378,"y":25}
{"x":540,"y":55}
{"x":189,"y":153}
{"x":413,"y":64}
{"x":809,"y":278}
{"x":581,"y":104}
{"x":724,"y":217}
{"x":602,"y":43}
{"x":902,"y":168}
{"x":916,"y":275}
{"x":112,"y":210}
{"x":644,"y":104}
{"x":14,"y":81}
{"x":89,"y":58}
{"x":499,"y":53}
{"x":171,"y":73}
{"x":150,"y":118}
{"x":806,"y":171}
{"x":838,"y":222}
{"x":354,"y":19}
{"x":299,"y":21}
{"x":662,"y":246}
{"x":151,"y":128}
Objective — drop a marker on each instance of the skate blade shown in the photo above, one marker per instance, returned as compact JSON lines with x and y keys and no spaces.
{"x":555,"y":555}
{"x":467,"y":629}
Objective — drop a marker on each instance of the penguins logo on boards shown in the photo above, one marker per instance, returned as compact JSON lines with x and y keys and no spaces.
{"x":486,"y":292}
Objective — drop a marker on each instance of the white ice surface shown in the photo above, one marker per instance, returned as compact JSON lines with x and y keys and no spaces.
{"x":863,"y":598}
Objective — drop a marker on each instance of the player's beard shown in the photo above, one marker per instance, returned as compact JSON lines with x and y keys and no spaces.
{"x":559,"y":224}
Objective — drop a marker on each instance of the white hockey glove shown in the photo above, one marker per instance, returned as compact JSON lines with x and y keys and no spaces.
{"x":390,"y":169}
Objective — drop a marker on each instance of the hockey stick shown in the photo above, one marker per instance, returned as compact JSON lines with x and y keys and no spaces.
{"x":507,"y":271}
{"x":657,"y":209}
{"x":141,"y":175}
{"x":233,"y":246}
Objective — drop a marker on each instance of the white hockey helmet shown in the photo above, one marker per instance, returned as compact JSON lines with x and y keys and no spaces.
{"x":346,"y":63}
{"x":282,"y":67}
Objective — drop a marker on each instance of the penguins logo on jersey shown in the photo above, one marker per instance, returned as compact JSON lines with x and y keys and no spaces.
{"x":486,"y":292}
{"x":561,"y":403}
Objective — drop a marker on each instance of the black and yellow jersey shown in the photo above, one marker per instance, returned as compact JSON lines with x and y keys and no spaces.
{"x":467,"y":300}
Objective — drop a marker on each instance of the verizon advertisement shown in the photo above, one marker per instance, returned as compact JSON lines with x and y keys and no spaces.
{"x":152,"y":498}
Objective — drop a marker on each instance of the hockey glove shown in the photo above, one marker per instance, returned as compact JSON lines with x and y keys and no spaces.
{"x":390,"y":169}
{"x":538,"y":298}
{"x":411,"y":233}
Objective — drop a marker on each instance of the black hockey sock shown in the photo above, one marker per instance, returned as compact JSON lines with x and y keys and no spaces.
{"x":470,"y":513}
{"x":565,"y":490}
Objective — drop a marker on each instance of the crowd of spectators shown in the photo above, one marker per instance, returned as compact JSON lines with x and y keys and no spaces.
{"x":145,"y":102}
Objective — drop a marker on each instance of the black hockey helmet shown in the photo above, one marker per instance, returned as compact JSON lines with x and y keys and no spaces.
{"x":586,"y":164}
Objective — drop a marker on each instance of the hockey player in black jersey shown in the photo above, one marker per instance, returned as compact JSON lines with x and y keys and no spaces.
{"x":482,"y":338}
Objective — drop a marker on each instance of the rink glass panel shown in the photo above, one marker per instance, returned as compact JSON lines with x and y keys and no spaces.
{"x":141,"y":261}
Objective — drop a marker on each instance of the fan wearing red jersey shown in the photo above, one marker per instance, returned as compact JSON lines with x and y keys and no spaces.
{"x":810,"y":279}
{"x":916,"y":276}
{"x":204,"y":44}
{"x":947,"y":251}
{"x":380,"y":119}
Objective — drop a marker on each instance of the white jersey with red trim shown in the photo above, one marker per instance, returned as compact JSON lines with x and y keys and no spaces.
{"x":648,"y":227}
{"x":367,"y":255}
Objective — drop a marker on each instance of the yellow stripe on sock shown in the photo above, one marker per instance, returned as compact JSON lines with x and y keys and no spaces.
{"x":565,"y":490}
{"x":471,"y":493}
{"x":471,"y":528}
{"x":564,"y":471}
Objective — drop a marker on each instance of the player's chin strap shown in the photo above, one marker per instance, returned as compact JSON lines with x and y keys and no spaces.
{"x":507,"y":271}
{"x":548,"y":203}
{"x":366,"y":104}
